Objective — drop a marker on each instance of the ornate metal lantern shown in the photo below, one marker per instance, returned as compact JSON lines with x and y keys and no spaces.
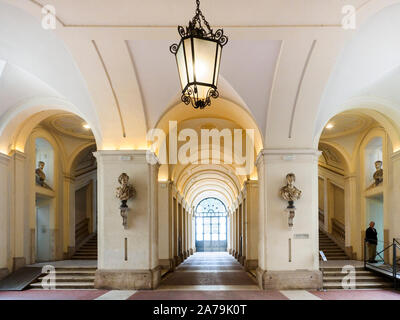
{"x":198,"y":56}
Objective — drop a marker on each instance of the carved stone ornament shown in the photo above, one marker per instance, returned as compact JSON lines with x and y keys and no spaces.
{"x":290,"y":193}
{"x":125,"y":192}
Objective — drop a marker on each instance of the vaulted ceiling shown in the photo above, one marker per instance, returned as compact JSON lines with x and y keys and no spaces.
{"x":288,"y":63}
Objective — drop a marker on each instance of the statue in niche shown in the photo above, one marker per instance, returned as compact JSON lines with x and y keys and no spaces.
{"x":290,"y":193}
{"x":378,"y":175}
{"x":125,"y":192}
{"x":41,"y":176}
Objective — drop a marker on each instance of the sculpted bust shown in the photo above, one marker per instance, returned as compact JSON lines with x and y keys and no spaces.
{"x":126,"y":191}
{"x":289,"y":192}
{"x":378,"y":175}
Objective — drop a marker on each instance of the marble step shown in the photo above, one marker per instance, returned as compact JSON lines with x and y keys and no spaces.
{"x":334,"y":254}
{"x":78,"y":268}
{"x":337,"y":258}
{"x":357,"y":279}
{"x":63,"y":279}
{"x":75,"y":273}
{"x":66,"y":285}
{"x":330,"y":269}
{"x":340,"y":274}
{"x":360,"y":285}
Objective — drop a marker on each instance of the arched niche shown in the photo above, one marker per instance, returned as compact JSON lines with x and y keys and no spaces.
{"x":374,"y":206}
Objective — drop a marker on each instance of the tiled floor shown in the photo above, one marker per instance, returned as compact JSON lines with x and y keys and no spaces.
{"x":211,"y":276}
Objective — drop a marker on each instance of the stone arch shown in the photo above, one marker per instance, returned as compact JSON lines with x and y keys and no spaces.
{"x":18,"y":123}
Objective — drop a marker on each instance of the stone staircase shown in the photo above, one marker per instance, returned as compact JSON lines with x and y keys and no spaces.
{"x":88,"y":251}
{"x":363,"y":279}
{"x":331,"y":250}
{"x":69,"y":278}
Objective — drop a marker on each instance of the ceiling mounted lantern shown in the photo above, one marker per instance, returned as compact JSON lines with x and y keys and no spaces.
{"x":198,"y":56}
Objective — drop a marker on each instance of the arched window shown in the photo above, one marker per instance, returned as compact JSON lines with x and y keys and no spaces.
{"x":211,"y":225}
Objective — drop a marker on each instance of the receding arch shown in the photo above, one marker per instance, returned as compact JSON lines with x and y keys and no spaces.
{"x":386,"y":116}
{"x":18,"y":123}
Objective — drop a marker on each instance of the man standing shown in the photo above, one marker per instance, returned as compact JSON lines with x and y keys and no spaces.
{"x":371,"y":237}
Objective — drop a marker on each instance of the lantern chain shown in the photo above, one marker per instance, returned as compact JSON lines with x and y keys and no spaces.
{"x":199,"y":16}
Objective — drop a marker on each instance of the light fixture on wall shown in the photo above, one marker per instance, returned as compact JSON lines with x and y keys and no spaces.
{"x":329,"y":126}
{"x":198,"y":57}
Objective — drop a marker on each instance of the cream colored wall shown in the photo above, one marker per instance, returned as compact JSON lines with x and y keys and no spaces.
{"x":251,"y":224}
{"x":273,"y":219}
{"x":338,"y":204}
{"x":142,"y":231}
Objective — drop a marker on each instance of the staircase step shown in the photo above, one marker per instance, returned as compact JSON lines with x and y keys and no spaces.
{"x":77,"y":268}
{"x":361,"y":285}
{"x":357,"y":279}
{"x":66,"y":285}
{"x":63,"y":279}
{"x":340,"y":274}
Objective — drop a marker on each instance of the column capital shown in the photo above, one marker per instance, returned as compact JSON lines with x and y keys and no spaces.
{"x":4,"y":159}
{"x":68,"y":177}
{"x":395,"y":155}
{"x":165,"y":184}
{"x":138,"y":156}
{"x":286,"y":154}
{"x":351,"y":175}
{"x":251,"y":183}
{"x":18,"y":155}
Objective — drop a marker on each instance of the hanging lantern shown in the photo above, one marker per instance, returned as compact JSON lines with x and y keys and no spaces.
{"x":198,"y":56}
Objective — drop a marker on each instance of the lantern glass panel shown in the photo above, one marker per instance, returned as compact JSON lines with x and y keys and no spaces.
{"x":187,"y":43}
{"x":204,"y":60}
{"x":218,"y":64}
{"x":180,"y":60}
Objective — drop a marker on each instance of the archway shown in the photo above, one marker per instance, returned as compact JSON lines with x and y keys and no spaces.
{"x":352,"y":143}
{"x":211,"y":226}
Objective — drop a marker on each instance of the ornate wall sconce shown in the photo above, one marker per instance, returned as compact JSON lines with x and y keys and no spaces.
{"x":125,"y":192}
{"x":290,"y":193}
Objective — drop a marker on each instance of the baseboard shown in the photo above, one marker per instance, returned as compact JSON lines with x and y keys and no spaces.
{"x":128,"y":279}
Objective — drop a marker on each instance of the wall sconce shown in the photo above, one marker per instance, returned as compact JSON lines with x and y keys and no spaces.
{"x":125,"y":192}
{"x":290,"y":193}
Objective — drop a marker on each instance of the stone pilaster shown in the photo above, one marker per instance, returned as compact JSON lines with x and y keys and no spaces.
{"x":352,"y":241}
{"x":165,"y":224}
{"x":18,"y":219}
{"x":251,"y":224}
{"x":127,"y":257}
{"x":288,"y":257}
{"x":4,"y":213}
{"x":393,"y":196}
{"x":68,"y":216}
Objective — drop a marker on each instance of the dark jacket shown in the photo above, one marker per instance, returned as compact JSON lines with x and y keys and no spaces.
{"x":371,"y":235}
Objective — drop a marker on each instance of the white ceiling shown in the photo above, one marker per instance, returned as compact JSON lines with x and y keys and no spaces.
{"x":286,"y":61}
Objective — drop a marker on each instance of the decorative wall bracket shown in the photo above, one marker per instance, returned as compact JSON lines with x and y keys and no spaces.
{"x":290,"y":193}
{"x":291,"y":210}
{"x":125,"y":192}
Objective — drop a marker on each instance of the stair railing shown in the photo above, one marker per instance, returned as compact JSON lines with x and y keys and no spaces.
{"x":383,"y":267}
